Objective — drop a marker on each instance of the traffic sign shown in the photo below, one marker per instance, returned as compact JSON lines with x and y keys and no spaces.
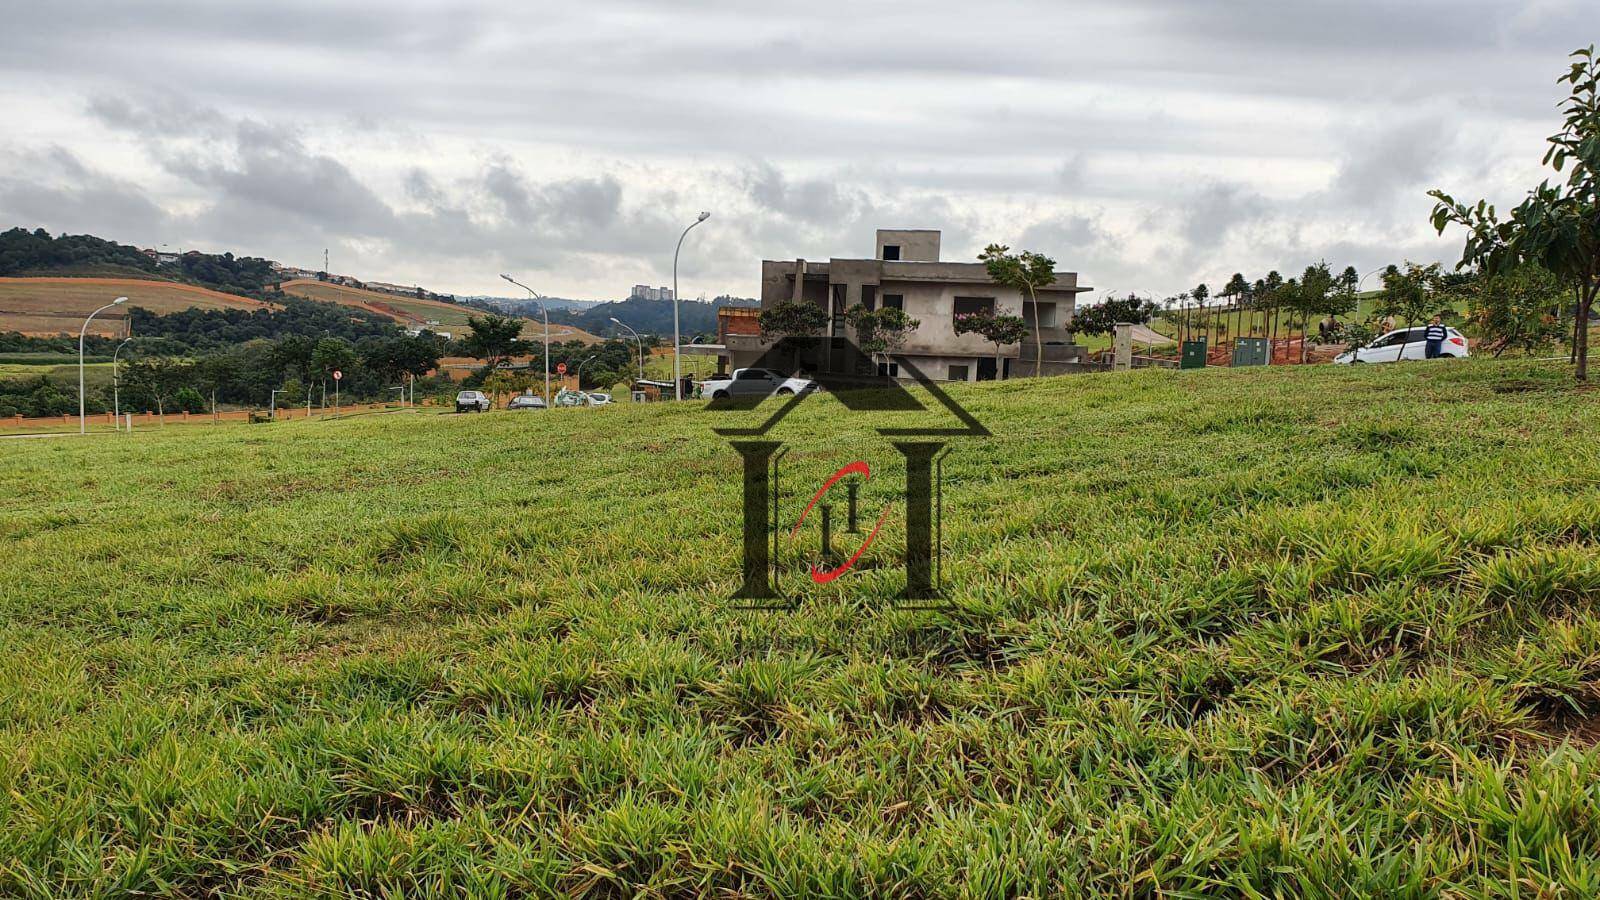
{"x":561,"y":368}
{"x":337,"y":374}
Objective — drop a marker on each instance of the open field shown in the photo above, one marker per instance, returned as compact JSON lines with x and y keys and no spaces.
{"x":93,"y":373}
{"x":50,"y":306}
{"x":411,"y":311}
{"x":1296,"y":631}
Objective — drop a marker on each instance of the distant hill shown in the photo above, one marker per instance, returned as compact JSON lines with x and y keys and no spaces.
{"x":649,"y":316}
{"x":49,"y":283}
{"x":414,"y":313}
{"x":52,"y":306}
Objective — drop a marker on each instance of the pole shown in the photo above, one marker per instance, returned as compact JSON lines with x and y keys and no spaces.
{"x":637,"y":338}
{"x":116,"y":385}
{"x":545,"y":310}
{"x":83,"y":421}
{"x":677,"y":337}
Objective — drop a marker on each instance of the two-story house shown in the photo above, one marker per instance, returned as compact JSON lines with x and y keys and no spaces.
{"x":905,"y":272}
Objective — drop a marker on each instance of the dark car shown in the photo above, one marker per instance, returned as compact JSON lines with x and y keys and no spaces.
{"x":526,"y":401}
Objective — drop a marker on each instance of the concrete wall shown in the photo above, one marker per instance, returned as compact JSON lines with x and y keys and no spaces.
{"x":916,"y":244}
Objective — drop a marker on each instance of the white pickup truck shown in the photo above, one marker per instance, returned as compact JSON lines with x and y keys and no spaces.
{"x":755,"y":382}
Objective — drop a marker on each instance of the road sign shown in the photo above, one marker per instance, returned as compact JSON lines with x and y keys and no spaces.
{"x":337,"y":374}
{"x":561,"y":368}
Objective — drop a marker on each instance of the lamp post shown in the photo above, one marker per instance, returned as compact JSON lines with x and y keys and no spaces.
{"x":83,"y":421}
{"x":272,"y":403}
{"x":677,"y":340}
{"x":1358,"y":288}
{"x":637,"y":338}
{"x":546,"y":311}
{"x":580,"y":372}
{"x":116,"y":385}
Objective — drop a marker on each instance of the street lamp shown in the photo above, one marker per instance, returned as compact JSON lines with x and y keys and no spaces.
{"x":83,"y":421}
{"x":546,"y":311}
{"x":272,"y":403}
{"x":1358,"y":288}
{"x":116,"y":384}
{"x":677,"y":354}
{"x":580,"y":372}
{"x":637,"y":338}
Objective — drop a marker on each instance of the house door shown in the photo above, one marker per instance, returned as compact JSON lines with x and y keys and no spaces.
{"x":986,"y":368}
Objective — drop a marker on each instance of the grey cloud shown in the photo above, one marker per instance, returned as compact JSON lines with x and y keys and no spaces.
{"x":60,"y":193}
{"x":1212,"y":212}
{"x":1153,"y":139}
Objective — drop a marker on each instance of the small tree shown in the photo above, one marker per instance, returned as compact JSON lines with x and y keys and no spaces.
{"x":793,"y":319}
{"x":494,"y":339}
{"x":881,"y":331}
{"x":1237,"y":291}
{"x":501,"y":382}
{"x":1001,"y":330}
{"x":1103,"y":317}
{"x":1557,"y":226}
{"x":159,"y":378}
{"x":1411,"y":294}
{"x":1201,"y":294}
{"x":1517,"y":309}
{"x":1026,"y":272}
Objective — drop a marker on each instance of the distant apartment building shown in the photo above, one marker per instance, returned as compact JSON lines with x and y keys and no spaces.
{"x":905,"y":272}
{"x":646,"y":292}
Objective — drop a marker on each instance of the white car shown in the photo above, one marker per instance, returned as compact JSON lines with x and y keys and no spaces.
{"x":1410,"y":341}
{"x":599,"y":399}
{"x":476,"y":401}
{"x":755,"y":382}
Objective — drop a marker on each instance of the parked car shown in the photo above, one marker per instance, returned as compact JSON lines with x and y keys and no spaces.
{"x":475,"y":401}
{"x":565,"y":397}
{"x":755,"y":382}
{"x":526,"y":401}
{"x":598,"y":399}
{"x":1408,"y":341}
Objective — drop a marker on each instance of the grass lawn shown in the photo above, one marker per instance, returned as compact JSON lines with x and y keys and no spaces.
{"x":1296,"y":631}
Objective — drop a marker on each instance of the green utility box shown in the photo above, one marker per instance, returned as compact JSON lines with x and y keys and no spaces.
{"x":1194,"y":355}
{"x":1250,"y":351}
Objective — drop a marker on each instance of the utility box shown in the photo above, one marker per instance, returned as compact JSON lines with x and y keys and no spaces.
{"x":1122,"y":347}
{"x":1194,"y":355}
{"x":1250,"y":351}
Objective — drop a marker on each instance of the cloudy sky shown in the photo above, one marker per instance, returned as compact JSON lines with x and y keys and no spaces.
{"x":1147,"y":144}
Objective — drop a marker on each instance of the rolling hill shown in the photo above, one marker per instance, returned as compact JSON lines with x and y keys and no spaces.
{"x":414,"y":312}
{"x":52,"y":306}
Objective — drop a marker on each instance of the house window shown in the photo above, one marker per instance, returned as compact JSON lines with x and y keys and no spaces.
{"x":894,"y":301}
{"x":966,"y":306}
{"x":869,"y":296}
{"x":958,"y":373}
{"x":890,"y":370}
{"x":1046,"y":313}
{"x":891,"y":251}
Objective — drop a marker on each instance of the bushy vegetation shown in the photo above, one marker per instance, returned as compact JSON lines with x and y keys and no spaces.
{"x":12,"y":342}
{"x":198,"y":329}
{"x":40,"y":395}
{"x":1286,"y":632}
{"x":24,"y":252}
{"x":247,"y":275}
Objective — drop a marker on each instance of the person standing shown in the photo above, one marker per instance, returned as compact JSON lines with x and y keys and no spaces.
{"x":1433,"y":338}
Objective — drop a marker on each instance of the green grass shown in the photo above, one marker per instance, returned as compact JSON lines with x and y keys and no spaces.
{"x":1286,"y":632}
{"x":93,"y":372}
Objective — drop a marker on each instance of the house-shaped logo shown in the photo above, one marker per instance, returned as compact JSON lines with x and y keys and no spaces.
{"x":786,"y":375}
